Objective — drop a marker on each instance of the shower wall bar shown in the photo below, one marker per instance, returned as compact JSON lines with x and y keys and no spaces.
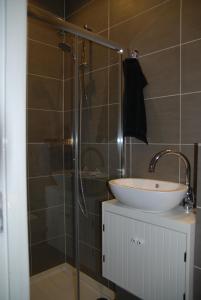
{"x":60,"y":24}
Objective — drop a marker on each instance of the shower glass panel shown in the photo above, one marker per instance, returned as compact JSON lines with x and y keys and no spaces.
{"x":100,"y":149}
{"x":74,"y":148}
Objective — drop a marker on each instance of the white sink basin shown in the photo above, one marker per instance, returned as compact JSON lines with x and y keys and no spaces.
{"x":148,"y":195}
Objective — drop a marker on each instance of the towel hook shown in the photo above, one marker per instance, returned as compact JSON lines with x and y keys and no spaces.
{"x":133,"y":53}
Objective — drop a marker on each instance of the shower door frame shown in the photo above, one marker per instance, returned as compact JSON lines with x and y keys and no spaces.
{"x":76,"y":193}
{"x":14,"y":259}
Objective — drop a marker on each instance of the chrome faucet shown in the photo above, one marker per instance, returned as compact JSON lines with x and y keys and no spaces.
{"x":188,"y":200}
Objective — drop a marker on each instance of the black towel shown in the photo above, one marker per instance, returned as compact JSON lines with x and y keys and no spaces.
{"x":134,"y":115}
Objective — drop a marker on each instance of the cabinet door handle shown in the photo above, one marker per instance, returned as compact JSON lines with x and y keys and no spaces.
{"x":137,"y":242}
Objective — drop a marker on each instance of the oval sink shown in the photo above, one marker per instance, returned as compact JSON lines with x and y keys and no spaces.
{"x":148,"y":195}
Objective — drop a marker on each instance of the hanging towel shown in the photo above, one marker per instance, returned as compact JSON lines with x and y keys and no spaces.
{"x":134,"y":115}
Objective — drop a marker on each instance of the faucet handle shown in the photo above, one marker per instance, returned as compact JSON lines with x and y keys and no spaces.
{"x":188,"y":201}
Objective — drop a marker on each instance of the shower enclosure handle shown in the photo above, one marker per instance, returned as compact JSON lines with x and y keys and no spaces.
{"x":1,"y":213}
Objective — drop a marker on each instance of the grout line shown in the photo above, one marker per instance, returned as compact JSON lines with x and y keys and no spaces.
{"x":140,"y":14}
{"x":29,"y":228}
{"x":191,"y":41}
{"x":89,"y":245}
{"x":80,"y":8}
{"x":63,"y":135}
{"x":83,"y":143}
{"x":95,"y":70}
{"x":37,"y":143}
{"x":47,"y":110}
{"x":68,"y":79}
{"x":161,"y":97}
{"x":159,"y":51}
{"x":44,"y":76}
{"x":190,"y":93}
{"x":108,"y":96}
{"x":90,"y":178}
{"x":99,"y":106}
{"x":44,"y":176}
{"x":64,"y":6}
{"x":43,"y":43}
{"x":162,"y":144}
{"x":92,"y":107}
{"x":172,"y":95}
{"x":45,"y":208}
{"x":180,"y":85}
{"x":131,"y":157}
{"x":51,"y":239}
{"x":51,"y":143}
{"x":102,"y":68}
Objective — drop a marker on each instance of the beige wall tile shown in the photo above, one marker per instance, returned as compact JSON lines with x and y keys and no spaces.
{"x":163,"y":120}
{"x":56,"y":7}
{"x":121,"y":10}
{"x":191,"y":67}
{"x":44,"y":159}
{"x":44,"y":93}
{"x":46,"y":224}
{"x":191,"y":21}
{"x":162,"y":73}
{"x":44,"y":126}
{"x":157,"y":29}
{"x":45,"y":192}
{"x":190,"y":118}
{"x":40,"y":31}
{"x":95,"y":15}
{"x":44,"y":60}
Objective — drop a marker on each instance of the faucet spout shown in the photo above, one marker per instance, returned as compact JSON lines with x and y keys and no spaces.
{"x":165,"y":152}
{"x":188,"y":201}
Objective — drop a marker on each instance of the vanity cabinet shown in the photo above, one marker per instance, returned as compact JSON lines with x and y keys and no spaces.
{"x":149,"y":255}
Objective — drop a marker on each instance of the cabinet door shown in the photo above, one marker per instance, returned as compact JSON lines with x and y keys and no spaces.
{"x":114,"y":249}
{"x":155,"y":261}
{"x":135,"y":257}
{"x":145,"y":259}
{"x":165,"y":267}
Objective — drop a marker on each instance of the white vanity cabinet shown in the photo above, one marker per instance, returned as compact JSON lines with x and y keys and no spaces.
{"x":149,"y":255}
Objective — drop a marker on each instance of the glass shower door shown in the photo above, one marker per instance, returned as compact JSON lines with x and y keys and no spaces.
{"x":74,"y":148}
{"x":100,"y":146}
{"x":94,"y":155}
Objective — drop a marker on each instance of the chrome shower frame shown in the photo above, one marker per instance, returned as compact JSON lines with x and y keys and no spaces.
{"x":65,"y":26}
{"x":78,"y":32}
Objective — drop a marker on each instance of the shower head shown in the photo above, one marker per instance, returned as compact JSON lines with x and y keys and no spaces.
{"x":65,"y":47}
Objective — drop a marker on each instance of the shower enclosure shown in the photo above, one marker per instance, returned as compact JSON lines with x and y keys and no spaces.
{"x":75,"y":146}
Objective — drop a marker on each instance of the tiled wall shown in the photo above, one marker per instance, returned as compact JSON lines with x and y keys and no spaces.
{"x":167,"y":35}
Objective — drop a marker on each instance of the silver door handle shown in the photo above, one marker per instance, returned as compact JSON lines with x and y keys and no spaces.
{"x":1,"y":213}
